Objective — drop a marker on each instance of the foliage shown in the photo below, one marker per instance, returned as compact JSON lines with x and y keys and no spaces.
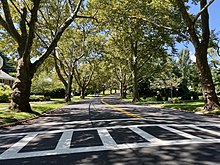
{"x":55,"y":93}
{"x":5,"y":93}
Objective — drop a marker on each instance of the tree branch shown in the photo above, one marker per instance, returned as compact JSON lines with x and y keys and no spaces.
{"x":189,"y":23}
{"x":30,"y":37}
{"x":9,"y":22}
{"x":57,"y":37}
{"x":202,"y":10}
{"x":5,"y":25}
{"x":88,"y":17}
{"x":58,"y":69}
{"x":173,"y":31}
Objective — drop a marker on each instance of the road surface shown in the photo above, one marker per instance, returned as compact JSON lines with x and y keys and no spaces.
{"x":108,"y":131}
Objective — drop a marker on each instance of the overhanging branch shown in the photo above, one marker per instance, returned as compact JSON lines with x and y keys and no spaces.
{"x":173,"y":31}
{"x":202,"y":10}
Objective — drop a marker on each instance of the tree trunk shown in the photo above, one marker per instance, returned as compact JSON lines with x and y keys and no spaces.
{"x":135,"y":85}
{"x":208,"y":88}
{"x":121,"y":90}
{"x":22,"y":87}
{"x":83,"y":93}
{"x":69,"y":89}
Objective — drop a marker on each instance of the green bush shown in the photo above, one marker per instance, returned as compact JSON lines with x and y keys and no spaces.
{"x":55,"y":93}
{"x":36,"y":98}
{"x":5,"y":93}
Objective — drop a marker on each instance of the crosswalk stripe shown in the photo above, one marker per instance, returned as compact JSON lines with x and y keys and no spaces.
{"x":15,"y":148}
{"x":181,"y":133}
{"x":145,"y":135}
{"x":166,"y":126}
{"x":206,"y":130}
{"x":63,"y":146}
{"x":106,"y":138}
{"x":65,"y":141}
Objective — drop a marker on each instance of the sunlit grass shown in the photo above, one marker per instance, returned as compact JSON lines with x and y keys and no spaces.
{"x":193,"y":106}
{"x":4,"y":105}
{"x":190,"y":106}
{"x":8,"y":116}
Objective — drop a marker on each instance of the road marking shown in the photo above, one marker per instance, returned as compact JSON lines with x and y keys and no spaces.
{"x":181,"y":133}
{"x":106,"y":138}
{"x":121,"y":110}
{"x":145,"y":135}
{"x":65,"y":141}
{"x":15,"y":148}
{"x":85,"y":122}
{"x":63,"y":146}
{"x":111,"y":127}
{"x":206,"y":130}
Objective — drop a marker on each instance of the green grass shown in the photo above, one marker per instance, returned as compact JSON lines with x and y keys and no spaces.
{"x":7,"y":116}
{"x":4,"y":105}
{"x":190,"y":106}
{"x":193,"y":106}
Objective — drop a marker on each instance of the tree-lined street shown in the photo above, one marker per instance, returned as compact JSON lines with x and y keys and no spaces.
{"x":91,"y":132}
{"x":79,"y":78}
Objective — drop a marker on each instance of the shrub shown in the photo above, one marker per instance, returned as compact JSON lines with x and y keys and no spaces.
{"x":5,"y":93}
{"x":55,"y":93}
{"x":36,"y":98}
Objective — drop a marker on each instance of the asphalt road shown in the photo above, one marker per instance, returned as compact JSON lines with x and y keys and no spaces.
{"x":112,"y":132}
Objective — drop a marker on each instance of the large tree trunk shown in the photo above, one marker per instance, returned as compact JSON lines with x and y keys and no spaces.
{"x":22,"y":87}
{"x":208,"y":88}
{"x":201,"y":43}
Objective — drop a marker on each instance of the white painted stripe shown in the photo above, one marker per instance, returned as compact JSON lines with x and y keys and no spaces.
{"x":181,"y":133}
{"x":95,"y":128}
{"x":15,"y":148}
{"x":145,"y":135}
{"x":85,"y":122}
{"x":104,"y":148}
{"x":65,"y":141}
{"x":206,"y":130}
{"x":106,"y":138}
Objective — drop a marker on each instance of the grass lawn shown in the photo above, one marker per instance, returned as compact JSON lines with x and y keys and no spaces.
{"x":190,"y":106}
{"x":193,"y":106}
{"x":4,"y":105}
{"x":7,"y":116}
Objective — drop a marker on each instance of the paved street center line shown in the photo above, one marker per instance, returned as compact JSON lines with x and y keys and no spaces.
{"x":121,"y":110}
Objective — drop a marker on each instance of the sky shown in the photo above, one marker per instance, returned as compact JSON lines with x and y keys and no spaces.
{"x":214,"y":16}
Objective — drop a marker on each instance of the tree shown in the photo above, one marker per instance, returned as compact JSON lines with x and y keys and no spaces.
{"x":83,"y":74}
{"x":26,"y":15}
{"x":195,"y":30}
{"x":201,"y":43}
{"x":139,"y":41}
